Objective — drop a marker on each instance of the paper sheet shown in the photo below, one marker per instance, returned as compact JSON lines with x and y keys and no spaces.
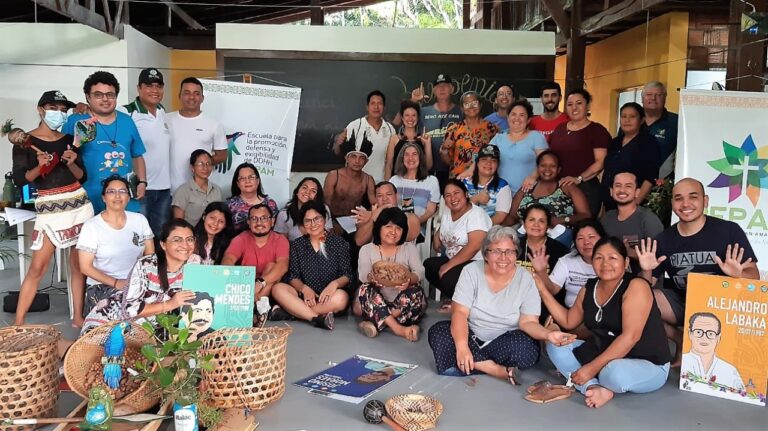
{"x":348,"y":223}
{"x":15,"y":216}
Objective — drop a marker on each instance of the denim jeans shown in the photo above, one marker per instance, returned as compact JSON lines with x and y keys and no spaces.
{"x":618,"y":376}
{"x":156,"y":207}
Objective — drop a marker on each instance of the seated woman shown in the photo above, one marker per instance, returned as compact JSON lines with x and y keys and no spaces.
{"x":399,"y":308}
{"x":495,"y":320}
{"x":318,"y":271}
{"x":246,"y":192}
{"x":155,"y":284}
{"x":567,"y":203}
{"x":628,"y":350}
{"x":213,"y":233}
{"x":288,"y":222}
{"x":418,"y":191}
{"x":191,"y":198}
{"x":461,"y":232}
{"x":410,"y":112}
{"x":536,"y":221}
{"x":111,"y":242}
{"x":486,"y":189}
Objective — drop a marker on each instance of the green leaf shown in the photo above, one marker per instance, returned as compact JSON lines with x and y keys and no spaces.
{"x":149,"y":352}
{"x":165,"y":377}
{"x":148,"y":328}
{"x":168,"y":348}
{"x":183,"y":335}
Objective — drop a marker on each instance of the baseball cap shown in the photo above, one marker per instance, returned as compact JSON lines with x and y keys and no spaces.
{"x":151,"y":76}
{"x":489,"y":151}
{"x":442,"y":78}
{"x":54,"y":97}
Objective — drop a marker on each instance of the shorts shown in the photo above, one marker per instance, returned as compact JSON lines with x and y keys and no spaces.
{"x":676,"y":299}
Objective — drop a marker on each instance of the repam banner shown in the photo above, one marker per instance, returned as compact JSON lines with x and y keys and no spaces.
{"x":260,"y":123}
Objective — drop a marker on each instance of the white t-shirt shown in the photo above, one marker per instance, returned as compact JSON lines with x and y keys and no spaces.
{"x":115,"y":250}
{"x":455,"y":234}
{"x":416,"y":195}
{"x":157,"y":141}
{"x":571,"y":273}
{"x":188,"y":135}
{"x":379,"y":140}
{"x":493,"y":314}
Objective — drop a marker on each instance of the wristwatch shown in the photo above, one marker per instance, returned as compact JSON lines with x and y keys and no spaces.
{"x":259,"y":283}
{"x":142,"y":182}
{"x":579,"y":179}
{"x":567,"y":220}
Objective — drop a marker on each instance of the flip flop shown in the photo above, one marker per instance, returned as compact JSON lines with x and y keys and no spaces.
{"x":512,"y":376}
{"x":546,"y":393}
{"x":534,"y":387}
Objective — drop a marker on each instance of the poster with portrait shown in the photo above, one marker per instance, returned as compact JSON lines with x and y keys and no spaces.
{"x":224,"y":297}
{"x":725,"y":340}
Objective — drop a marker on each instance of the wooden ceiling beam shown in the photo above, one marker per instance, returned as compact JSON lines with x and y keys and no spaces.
{"x":191,"y":22}
{"x":615,"y":14}
{"x":76,"y":12}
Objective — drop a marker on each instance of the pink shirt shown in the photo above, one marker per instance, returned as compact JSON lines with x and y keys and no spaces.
{"x":244,"y":249}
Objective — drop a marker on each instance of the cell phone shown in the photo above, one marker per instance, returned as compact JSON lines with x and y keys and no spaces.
{"x":133,"y":184}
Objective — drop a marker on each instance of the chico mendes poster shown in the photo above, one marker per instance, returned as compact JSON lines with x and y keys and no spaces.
{"x":725,"y":343}
{"x":224,"y":297}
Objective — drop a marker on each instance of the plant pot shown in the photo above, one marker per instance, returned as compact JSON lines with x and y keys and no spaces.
{"x":185,"y":417}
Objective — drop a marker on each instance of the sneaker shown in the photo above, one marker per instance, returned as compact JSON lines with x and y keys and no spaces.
{"x":278,"y":314}
{"x":324,"y":321}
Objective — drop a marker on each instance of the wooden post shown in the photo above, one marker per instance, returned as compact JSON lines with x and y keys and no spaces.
{"x":316,"y":13}
{"x":466,"y":12}
{"x":576,"y":51}
{"x":746,"y":54}
{"x":247,"y":78}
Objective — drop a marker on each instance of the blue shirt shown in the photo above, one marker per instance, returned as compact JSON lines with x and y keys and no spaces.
{"x":665,"y":131}
{"x":498,"y":120}
{"x":518,"y":159}
{"x":110,"y":153}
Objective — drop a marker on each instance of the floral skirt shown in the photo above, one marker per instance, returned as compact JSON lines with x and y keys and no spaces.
{"x":411,"y":302}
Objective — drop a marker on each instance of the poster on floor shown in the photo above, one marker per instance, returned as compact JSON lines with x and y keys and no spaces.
{"x":223,"y":298}
{"x":260,"y":123}
{"x":355,"y":379}
{"x":723,"y":142}
{"x":725,"y":340}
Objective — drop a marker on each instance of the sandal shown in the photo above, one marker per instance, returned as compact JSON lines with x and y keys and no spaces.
{"x":324,"y":321}
{"x":368,"y":328}
{"x":534,"y":387}
{"x":413,"y":333}
{"x":547,"y":392}
{"x":512,"y":376}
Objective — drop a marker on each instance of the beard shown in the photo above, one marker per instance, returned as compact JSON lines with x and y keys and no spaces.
{"x":261,"y":234}
{"x":548,"y":109}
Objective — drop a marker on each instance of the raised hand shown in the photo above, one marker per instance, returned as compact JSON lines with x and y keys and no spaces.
{"x":733,"y":265}
{"x":646,"y":255}
{"x":417,"y":95}
{"x":539,"y":259}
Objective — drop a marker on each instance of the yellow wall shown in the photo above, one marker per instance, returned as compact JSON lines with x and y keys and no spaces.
{"x":185,"y":63}
{"x":621,"y":62}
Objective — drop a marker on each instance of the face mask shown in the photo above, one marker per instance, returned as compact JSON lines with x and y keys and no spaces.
{"x":55,"y":119}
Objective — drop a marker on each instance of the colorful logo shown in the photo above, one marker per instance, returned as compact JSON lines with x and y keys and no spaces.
{"x":223,"y":168}
{"x":742,"y":170}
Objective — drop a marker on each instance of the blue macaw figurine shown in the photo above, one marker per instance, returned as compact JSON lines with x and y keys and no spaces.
{"x":114,"y":348}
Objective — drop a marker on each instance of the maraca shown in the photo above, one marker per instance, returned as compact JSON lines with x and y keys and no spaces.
{"x":374,"y":412}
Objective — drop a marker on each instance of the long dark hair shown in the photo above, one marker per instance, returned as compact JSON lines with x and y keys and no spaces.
{"x":613,"y":242}
{"x":220,"y":240}
{"x":235,"y":189}
{"x":493,"y":185}
{"x":162,"y":260}
{"x":292,"y":208}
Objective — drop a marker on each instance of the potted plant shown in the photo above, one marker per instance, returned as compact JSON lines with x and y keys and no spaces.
{"x":7,"y":254}
{"x":174,"y":367}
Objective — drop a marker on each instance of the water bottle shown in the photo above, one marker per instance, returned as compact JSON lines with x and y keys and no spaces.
{"x":9,"y":191}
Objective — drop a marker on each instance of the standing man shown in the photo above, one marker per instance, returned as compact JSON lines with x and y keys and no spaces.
{"x":662,"y":125}
{"x":116,"y":147}
{"x":149,"y":116}
{"x":191,"y":130}
{"x":630,"y":222}
{"x":697,"y":243}
{"x":370,"y":131}
{"x":505,"y":95}
{"x":551,"y":117}
{"x":436,"y":119}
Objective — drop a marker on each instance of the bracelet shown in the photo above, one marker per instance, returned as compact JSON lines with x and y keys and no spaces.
{"x":142,"y":182}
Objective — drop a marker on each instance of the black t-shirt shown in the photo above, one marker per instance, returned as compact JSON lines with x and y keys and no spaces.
{"x":652,"y":345}
{"x":640,"y":156}
{"x":696,"y":253}
{"x":25,"y":159}
{"x":554,"y":249}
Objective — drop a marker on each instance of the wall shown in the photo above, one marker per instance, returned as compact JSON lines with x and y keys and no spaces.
{"x":657,"y":51}
{"x":144,"y":52}
{"x":185,"y":63}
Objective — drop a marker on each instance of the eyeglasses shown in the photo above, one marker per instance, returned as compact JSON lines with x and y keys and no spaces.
{"x":100,"y":95}
{"x":205,"y":164}
{"x":177,"y":240}
{"x":248,"y":178}
{"x":114,"y":192}
{"x":262,"y":219}
{"x":316,"y":220}
{"x":472,"y":104}
{"x":698,"y":333}
{"x":502,"y":252}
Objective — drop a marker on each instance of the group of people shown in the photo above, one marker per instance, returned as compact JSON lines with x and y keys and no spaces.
{"x":536,"y":222}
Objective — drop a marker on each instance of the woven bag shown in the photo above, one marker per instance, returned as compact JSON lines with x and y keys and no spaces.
{"x":248,"y":366}
{"x":414,"y":412}
{"x":89,"y":348}
{"x":29,"y":373}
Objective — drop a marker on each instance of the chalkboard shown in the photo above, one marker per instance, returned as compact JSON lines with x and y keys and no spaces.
{"x":334,"y":86}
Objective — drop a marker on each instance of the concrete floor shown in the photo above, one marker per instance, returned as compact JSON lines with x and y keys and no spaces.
{"x":489,"y":404}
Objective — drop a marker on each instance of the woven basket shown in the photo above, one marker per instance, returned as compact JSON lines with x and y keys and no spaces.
{"x":89,"y":349}
{"x":29,"y":373}
{"x":389,"y":274}
{"x":248,"y":366}
{"x":414,"y":412}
